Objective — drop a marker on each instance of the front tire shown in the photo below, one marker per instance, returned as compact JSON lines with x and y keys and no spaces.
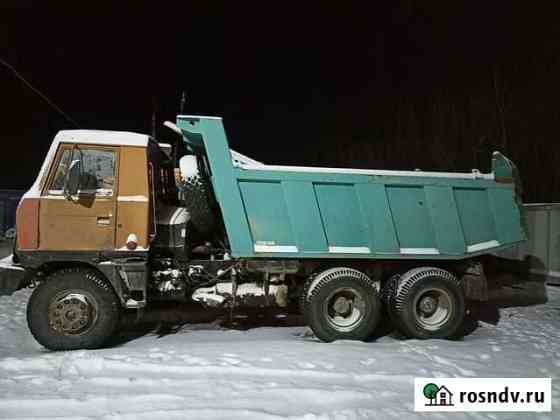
{"x":73,"y":309}
{"x":428,"y":302}
{"x":342,"y":304}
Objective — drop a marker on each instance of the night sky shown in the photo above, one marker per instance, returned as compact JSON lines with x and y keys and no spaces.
{"x":404,"y":85}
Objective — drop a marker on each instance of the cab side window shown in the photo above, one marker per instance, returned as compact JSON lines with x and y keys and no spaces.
{"x":97,"y":173}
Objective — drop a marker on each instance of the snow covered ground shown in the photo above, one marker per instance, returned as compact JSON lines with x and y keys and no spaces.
{"x":204,"y":371}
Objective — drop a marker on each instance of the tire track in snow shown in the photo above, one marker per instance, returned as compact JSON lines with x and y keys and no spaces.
{"x":277,"y":401}
{"x":95,"y":366}
{"x":80,"y":380}
{"x":85,"y":367}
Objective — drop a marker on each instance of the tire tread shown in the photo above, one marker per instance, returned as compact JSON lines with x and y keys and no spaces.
{"x":311,"y":296}
{"x":108,"y":304}
{"x":400,"y":293}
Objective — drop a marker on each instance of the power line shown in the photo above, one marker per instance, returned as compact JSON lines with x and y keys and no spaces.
{"x":38,"y":92}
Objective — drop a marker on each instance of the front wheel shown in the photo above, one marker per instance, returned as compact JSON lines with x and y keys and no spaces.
{"x":73,"y":309}
{"x":342,"y":304}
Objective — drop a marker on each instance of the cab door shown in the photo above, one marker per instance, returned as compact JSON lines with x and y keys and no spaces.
{"x":85,"y":222}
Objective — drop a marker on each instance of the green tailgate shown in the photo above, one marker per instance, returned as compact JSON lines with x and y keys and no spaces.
{"x":293,"y":213}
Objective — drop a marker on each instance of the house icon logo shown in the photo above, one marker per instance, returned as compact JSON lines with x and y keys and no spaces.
{"x":438,"y":396}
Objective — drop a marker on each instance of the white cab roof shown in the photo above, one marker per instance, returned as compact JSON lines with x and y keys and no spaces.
{"x":106,"y":138}
{"x":102,"y":137}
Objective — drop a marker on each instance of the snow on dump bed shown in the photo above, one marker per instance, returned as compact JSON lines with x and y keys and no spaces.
{"x":205,"y":372}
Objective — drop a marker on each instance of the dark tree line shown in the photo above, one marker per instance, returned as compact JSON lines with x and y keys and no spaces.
{"x":457,"y":129}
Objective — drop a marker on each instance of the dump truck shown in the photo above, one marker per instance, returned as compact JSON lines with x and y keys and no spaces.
{"x":116,"y":221}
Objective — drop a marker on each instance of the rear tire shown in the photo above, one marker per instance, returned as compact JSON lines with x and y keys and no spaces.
{"x":388,"y":309}
{"x":305,"y":291}
{"x":73,"y":309}
{"x":428,"y":302}
{"x":342,"y":304}
{"x":468,"y":326}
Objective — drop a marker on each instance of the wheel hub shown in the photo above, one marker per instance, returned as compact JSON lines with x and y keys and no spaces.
{"x":72,"y":313}
{"x":433,"y":308}
{"x":342,"y":306}
{"x":428,"y":305}
{"x":344,"y":309}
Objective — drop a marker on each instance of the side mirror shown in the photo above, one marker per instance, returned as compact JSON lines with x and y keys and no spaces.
{"x":72,"y":182}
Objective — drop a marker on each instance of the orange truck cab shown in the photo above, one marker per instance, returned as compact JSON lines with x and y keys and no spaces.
{"x":111,"y":215}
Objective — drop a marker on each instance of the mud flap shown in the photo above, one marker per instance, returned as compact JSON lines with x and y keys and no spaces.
{"x":12,"y":277}
{"x":475,"y":283}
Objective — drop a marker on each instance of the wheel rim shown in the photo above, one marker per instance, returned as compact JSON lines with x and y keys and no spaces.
{"x":344,"y":309}
{"x":433,"y":308}
{"x":72,"y":312}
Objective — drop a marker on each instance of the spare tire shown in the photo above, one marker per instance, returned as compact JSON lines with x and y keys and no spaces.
{"x":195,"y":193}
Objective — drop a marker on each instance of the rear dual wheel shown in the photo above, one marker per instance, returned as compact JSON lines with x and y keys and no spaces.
{"x":425,"y":302}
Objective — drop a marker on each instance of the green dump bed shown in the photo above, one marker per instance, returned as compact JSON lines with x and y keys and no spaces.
{"x":298,"y":212}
